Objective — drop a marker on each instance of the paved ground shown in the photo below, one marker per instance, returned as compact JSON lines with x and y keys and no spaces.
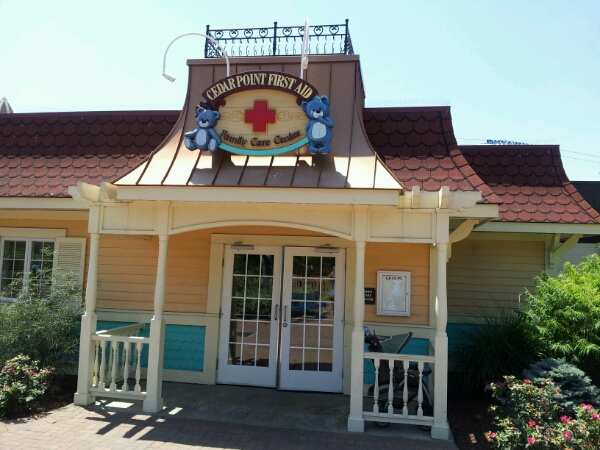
{"x":222,"y":417}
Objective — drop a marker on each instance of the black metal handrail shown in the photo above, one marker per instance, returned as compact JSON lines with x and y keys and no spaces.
{"x":279,"y":41}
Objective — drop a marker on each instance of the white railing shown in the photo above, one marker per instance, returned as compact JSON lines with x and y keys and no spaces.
{"x":117,"y":360}
{"x":409,"y":398}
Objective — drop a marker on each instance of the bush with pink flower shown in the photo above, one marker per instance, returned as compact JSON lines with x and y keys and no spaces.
{"x":527,"y":415}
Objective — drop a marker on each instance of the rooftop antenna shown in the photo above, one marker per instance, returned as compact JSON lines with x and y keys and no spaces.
{"x":210,"y":38}
{"x":305,"y":49}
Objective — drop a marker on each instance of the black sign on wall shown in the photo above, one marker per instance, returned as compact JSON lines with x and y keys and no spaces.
{"x":370,"y":295}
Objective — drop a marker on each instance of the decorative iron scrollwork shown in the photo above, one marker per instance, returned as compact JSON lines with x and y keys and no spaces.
{"x":278,"y":40}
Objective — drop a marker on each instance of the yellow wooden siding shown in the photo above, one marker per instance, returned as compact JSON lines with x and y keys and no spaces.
{"x":486,"y":277}
{"x":127,"y":268}
{"x":413,"y":258}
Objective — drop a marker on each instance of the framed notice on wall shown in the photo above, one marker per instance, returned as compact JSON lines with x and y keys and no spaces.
{"x":393,"y":293}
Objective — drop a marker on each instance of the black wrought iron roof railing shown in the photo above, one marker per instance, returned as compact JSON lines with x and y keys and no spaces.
{"x":279,"y":41}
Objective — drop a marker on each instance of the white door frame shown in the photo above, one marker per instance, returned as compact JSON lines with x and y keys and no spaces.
{"x":240,"y":374}
{"x":325,"y":381}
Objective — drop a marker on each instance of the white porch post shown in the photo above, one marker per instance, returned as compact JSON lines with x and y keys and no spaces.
{"x":356,"y":422}
{"x":440,"y":429}
{"x":153,"y":400}
{"x":88,"y":326}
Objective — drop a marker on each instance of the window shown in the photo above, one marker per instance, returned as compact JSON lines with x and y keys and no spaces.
{"x":25,"y":262}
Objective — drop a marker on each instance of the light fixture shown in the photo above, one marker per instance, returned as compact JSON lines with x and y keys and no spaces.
{"x":215,"y":43}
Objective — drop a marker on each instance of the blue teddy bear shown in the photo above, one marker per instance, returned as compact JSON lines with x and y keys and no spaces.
{"x":318,"y":130}
{"x":204,"y":136}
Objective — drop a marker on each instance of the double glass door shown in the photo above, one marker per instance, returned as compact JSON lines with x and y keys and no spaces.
{"x":282,"y":318}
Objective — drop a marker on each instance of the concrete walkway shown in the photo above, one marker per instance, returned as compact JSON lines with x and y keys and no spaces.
{"x":211,"y":417}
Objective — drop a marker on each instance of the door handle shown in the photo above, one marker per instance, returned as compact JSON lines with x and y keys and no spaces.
{"x":284,"y":316}
{"x":276,"y":312}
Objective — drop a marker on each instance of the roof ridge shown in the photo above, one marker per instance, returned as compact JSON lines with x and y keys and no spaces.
{"x":91,"y":113}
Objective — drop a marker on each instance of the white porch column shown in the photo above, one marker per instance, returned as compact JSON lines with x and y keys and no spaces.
{"x":356,"y":422}
{"x":153,"y":400}
{"x":88,"y":326}
{"x":440,"y":429}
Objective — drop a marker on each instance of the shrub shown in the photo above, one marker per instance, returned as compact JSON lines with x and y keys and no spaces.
{"x":566,"y":312}
{"x":43,"y":323}
{"x":504,"y":345}
{"x":22,"y":385}
{"x":575,"y":387}
{"x":528,"y":416}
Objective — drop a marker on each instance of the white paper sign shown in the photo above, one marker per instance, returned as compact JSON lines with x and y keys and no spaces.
{"x":393,"y":293}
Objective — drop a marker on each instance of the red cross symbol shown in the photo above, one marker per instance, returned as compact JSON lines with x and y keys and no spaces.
{"x":259,"y":116}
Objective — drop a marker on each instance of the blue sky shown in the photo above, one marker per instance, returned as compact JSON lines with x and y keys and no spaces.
{"x":526,"y":71}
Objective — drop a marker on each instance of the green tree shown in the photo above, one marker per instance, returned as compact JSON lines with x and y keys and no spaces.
{"x":43,"y":321}
{"x":565,"y":311}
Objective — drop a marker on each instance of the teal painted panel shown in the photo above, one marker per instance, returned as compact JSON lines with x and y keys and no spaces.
{"x":184,"y":344}
{"x":184,"y":347}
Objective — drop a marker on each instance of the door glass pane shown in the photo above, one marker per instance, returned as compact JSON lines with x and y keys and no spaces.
{"x":311,"y":359}
{"x":299,"y":266}
{"x":250,"y":329}
{"x":239,"y":264}
{"x":264,"y":333}
{"x":248,"y":355}
{"x":311,"y":338}
{"x":252,"y":287}
{"x":253,"y":264}
{"x":325,"y":360}
{"x":313,"y":266}
{"x":327,"y":290}
{"x":313,"y":289}
{"x":264,"y":309}
{"x":262,"y":356}
{"x":235,"y":353}
{"x":328,"y":267}
{"x":296,"y":335}
{"x":250,"y":324}
{"x":311,"y":330}
{"x":251,"y":309}
{"x":295,"y":359}
{"x":298,"y":312}
{"x":267,"y":265}
{"x":238,"y":286}
{"x":237,"y":308}
{"x":298,"y":288}
{"x":266,"y":287}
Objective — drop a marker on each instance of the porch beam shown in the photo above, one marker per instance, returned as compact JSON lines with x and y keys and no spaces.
{"x":153,"y":401}
{"x":88,"y":326}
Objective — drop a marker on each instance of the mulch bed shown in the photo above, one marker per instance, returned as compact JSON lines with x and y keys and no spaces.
{"x":469,"y":420}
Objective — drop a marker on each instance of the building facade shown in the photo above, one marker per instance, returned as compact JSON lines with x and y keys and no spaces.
{"x":250,"y":238}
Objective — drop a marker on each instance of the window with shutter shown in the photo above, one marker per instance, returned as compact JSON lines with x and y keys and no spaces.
{"x":69,"y":258}
{"x":25,"y":262}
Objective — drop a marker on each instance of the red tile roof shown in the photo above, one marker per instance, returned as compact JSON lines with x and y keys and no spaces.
{"x":530,"y":183}
{"x":418,"y":144}
{"x":42,"y":154}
